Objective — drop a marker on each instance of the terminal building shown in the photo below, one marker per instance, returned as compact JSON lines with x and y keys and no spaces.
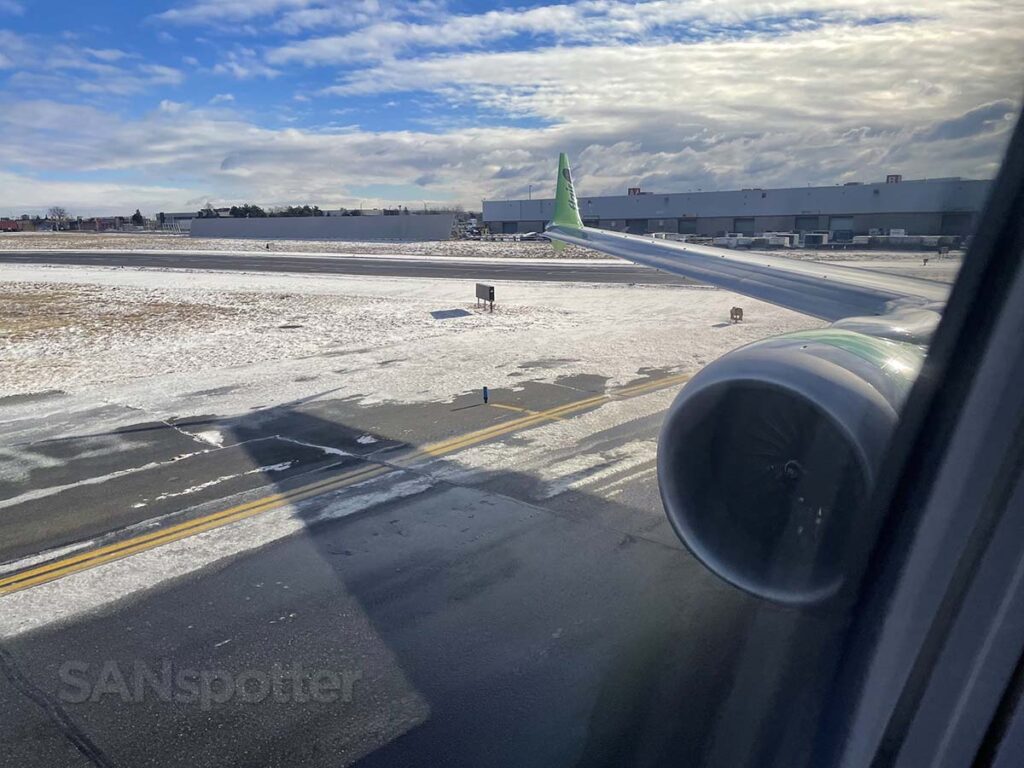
{"x":922,"y":207}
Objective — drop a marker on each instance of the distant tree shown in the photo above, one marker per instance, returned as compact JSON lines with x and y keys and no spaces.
{"x":208,"y":212}
{"x":59,"y":215}
{"x":249,"y":210}
{"x":138,"y":219}
{"x":297,"y":210}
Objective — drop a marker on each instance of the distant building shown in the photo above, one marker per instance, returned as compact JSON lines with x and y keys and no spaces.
{"x":178,"y":222}
{"x":374,"y":227}
{"x":98,"y":224}
{"x":354,"y":212}
{"x":921,"y":207}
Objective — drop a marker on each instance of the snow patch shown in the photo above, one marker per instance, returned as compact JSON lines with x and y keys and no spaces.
{"x":218,"y":480}
{"x":211,"y":436}
{"x":325,"y":448}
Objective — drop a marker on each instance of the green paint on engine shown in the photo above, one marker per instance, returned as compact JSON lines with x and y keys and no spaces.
{"x":897,"y":358}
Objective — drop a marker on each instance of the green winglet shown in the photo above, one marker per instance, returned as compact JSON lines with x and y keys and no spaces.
{"x":567,"y":211}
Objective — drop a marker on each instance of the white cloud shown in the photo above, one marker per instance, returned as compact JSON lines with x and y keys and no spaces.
{"x":586,"y":22}
{"x":844,"y":102}
{"x":204,"y":11}
{"x":25,"y":194}
{"x":68,"y":67}
{"x":294,"y":16}
{"x":158,"y":74}
{"x":222,"y":98}
{"x":13,"y":47}
{"x":384,"y":39}
{"x":12,"y":8}
{"x":244,"y":64}
{"x":108,"y":54}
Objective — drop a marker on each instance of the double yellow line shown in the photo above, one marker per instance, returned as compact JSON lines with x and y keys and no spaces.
{"x":66,"y":566}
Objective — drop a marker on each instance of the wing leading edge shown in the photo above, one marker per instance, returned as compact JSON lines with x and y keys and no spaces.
{"x":860,"y":297}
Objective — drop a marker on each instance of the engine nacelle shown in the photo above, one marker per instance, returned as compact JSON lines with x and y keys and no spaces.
{"x":768,"y":456}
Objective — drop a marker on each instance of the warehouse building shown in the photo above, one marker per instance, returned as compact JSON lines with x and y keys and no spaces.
{"x":424,"y":226}
{"x":922,"y":207}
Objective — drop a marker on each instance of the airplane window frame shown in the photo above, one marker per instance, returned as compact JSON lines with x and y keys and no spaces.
{"x":986,"y":291}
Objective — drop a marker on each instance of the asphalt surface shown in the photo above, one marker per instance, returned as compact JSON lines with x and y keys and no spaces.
{"x":488,"y":618}
{"x":570,"y":271}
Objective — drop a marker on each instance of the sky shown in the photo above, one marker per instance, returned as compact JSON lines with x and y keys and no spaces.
{"x":112,"y":105}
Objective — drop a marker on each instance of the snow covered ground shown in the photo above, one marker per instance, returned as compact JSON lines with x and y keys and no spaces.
{"x":153,"y":338}
{"x":175,"y":343}
{"x":19,"y":241}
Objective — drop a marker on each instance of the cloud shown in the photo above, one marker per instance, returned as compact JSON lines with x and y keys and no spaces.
{"x":291,"y":17}
{"x":222,"y":98}
{"x":384,"y":39}
{"x":108,"y":54}
{"x":725,"y":112}
{"x":26,"y":194}
{"x":13,"y":47}
{"x":68,"y":67}
{"x":984,"y":119}
{"x":205,"y":11}
{"x":11,"y":8}
{"x":587,"y":22}
{"x":244,"y":64}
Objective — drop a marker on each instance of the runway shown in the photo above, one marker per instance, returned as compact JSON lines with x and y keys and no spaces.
{"x":573,"y":270}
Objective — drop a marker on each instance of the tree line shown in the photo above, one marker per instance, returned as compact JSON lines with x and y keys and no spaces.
{"x":251,"y":210}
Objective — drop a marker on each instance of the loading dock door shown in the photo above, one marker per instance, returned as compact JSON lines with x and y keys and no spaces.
{"x":744,"y":226}
{"x":841,"y":228}
{"x":956,"y":224}
{"x":806,"y":223}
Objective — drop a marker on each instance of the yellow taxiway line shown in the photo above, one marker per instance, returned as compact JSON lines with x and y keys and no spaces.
{"x":57,"y":569}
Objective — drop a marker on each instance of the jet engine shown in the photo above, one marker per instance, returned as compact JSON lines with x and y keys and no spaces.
{"x":768,"y":456}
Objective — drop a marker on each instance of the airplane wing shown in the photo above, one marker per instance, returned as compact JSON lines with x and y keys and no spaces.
{"x":875,"y":303}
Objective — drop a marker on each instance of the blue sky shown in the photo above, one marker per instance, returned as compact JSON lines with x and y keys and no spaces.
{"x":105,"y":107}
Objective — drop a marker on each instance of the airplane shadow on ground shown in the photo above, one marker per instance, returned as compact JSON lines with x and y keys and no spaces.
{"x":540,"y":635}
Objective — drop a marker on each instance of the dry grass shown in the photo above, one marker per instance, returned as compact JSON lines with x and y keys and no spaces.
{"x":168,"y":242}
{"x":30,"y":311}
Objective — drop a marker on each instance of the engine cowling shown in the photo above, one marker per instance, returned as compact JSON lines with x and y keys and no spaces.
{"x":768,"y":456}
